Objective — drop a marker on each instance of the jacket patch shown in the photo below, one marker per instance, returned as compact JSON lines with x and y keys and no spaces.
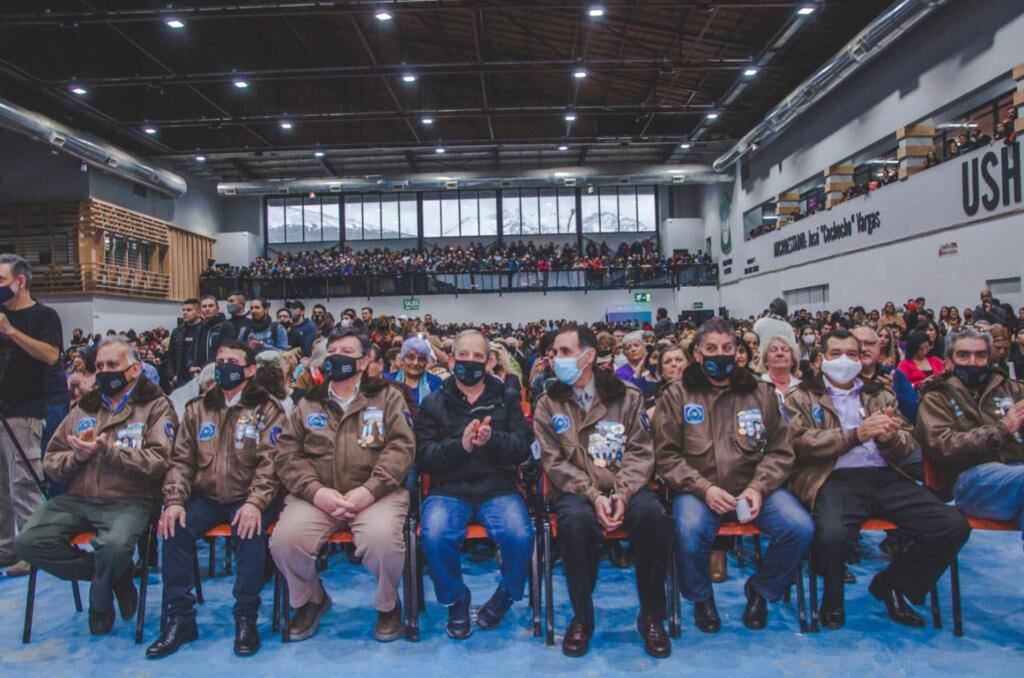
{"x":408,"y":419}
{"x":645,"y":421}
{"x":316,"y":421}
{"x":818,"y":414}
{"x":560,"y":423}
{"x":535,"y":449}
{"x":169,"y":430}
{"x":275,"y":434}
{"x":84,"y":424}
{"x":693,"y":414}
{"x":207,"y":431}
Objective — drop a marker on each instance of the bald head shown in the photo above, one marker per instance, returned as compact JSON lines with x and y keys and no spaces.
{"x":471,"y":345}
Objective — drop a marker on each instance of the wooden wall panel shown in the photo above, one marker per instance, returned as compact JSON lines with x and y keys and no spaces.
{"x":188,"y":255}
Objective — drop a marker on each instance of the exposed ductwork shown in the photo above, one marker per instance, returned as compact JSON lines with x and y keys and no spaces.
{"x":90,"y":149}
{"x":869,"y":43}
{"x":606,"y":175}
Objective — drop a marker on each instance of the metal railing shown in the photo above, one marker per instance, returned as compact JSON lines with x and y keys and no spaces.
{"x":487,"y":282}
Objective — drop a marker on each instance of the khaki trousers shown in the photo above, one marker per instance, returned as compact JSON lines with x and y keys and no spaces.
{"x":378,"y":533}
{"x":19,"y":494}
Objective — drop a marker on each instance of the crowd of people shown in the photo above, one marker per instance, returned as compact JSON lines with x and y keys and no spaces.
{"x":804,"y":423}
{"x":340,"y":261}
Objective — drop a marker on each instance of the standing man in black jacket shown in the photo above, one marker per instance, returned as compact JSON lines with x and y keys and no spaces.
{"x":214,"y":329}
{"x":182,"y":354}
{"x":471,"y":435}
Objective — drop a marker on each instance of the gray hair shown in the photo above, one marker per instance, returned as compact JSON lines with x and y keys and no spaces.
{"x":966,"y":333}
{"x":19,"y":266}
{"x":717,"y":325}
{"x":207,"y":376}
{"x":465,"y":334}
{"x":120,"y":340}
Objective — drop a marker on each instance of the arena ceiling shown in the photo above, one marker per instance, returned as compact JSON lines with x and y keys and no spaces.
{"x":305,"y":89}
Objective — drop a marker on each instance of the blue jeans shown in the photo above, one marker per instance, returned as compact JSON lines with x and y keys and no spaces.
{"x":201,"y":514}
{"x":993,"y":491}
{"x":782,"y":517}
{"x":444,"y":529}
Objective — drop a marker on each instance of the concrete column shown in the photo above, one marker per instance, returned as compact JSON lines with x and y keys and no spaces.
{"x":787,"y":208}
{"x":914,"y":143}
{"x":838,"y":178}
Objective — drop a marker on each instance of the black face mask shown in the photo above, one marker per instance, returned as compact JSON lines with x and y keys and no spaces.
{"x":339,"y":367}
{"x":112,"y":383}
{"x":718,"y":367}
{"x":228,"y":376}
{"x":469,"y":372}
{"x":973,"y":376}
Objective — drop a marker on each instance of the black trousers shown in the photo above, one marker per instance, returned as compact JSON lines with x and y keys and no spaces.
{"x":650,"y":532}
{"x":851,"y":496}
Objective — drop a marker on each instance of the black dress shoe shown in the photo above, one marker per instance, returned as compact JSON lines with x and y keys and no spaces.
{"x":247,"y":636}
{"x":460,"y":625}
{"x":101,"y":623}
{"x":127,"y":596}
{"x":577,"y":639}
{"x":705,"y":616}
{"x":900,"y":611}
{"x":175,"y":634}
{"x":656,"y":641}
{"x":755,"y":615}
{"x":832,"y":618}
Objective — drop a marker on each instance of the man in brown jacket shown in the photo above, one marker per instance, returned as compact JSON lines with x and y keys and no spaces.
{"x":850,"y":440}
{"x":112,"y":452}
{"x":222,"y":471}
{"x":343,"y":458}
{"x":595,"y":447}
{"x":970,"y":425}
{"x":723,"y":449}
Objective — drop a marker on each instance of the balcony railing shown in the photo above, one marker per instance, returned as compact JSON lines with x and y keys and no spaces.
{"x":479,"y":282}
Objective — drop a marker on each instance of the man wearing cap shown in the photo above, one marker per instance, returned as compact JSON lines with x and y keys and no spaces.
{"x":414,"y":358}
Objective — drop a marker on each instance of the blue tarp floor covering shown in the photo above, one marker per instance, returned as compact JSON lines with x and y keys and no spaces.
{"x":870,"y":645}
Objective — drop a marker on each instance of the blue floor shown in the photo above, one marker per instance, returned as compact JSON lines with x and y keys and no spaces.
{"x":870,"y":644}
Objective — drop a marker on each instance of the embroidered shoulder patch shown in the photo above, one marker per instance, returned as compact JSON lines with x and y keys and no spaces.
{"x":84,"y":424}
{"x":560,"y":423}
{"x":207,"y":431}
{"x":275,"y":434}
{"x":316,"y":421}
{"x":693,"y":414}
{"x":169,"y":430}
{"x":645,"y":421}
{"x":818,"y":414}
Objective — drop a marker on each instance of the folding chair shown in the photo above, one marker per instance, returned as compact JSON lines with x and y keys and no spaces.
{"x":79,"y":540}
{"x":869,"y":525}
{"x":474,"y":531}
{"x":932,"y":483}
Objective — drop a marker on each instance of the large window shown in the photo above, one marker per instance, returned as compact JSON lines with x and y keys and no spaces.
{"x":373,"y":216}
{"x":619,"y":210}
{"x":547,"y":211}
{"x":302,"y":220}
{"x":454,"y":214}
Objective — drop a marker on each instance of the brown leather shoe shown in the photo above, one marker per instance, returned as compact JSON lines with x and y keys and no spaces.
{"x":389,"y":624}
{"x":719,"y":566}
{"x":656,"y":641}
{"x":577,"y":639}
{"x":307,"y":618}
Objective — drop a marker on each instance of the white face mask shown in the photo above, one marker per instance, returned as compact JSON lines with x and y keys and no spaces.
{"x":842,"y":370}
{"x":808,"y":339}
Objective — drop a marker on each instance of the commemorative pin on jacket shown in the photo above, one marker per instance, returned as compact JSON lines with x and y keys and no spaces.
{"x":959,"y":432}
{"x":370,"y":444}
{"x":137,"y":455}
{"x":732,"y":437}
{"x":819,"y":439}
{"x":227,"y":452}
{"x":607,"y":449}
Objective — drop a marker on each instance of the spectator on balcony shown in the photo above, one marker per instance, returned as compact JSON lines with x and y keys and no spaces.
{"x":236,"y":311}
{"x":931,"y":160}
{"x":261,"y":332}
{"x":214,"y":329}
{"x":414,"y":358}
{"x":952,"y":148}
{"x":979,"y":138}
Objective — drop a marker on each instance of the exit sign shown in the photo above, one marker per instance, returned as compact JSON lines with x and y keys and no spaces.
{"x":641,"y":297}
{"x":698,"y":305}
{"x":410,"y":304}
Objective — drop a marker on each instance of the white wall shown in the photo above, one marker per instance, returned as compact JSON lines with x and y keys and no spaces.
{"x":238,"y":248}
{"x":97,"y":314}
{"x":525,"y":307}
{"x":681,"y":234}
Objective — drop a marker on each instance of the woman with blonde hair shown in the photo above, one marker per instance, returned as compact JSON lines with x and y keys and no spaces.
{"x":500,"y":365}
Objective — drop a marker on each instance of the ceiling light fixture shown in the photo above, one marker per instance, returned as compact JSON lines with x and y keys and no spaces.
{"x":384,"y":15}
{"x":712,"y":116}
{"x":750,"y":72}
{"x":579,"y":73}
{"x":200,"y":158}
{"x":79,"y":90}
{"x":595,"y":12}
{"x":563,"y":147}
{"x":241,"y":84}
{"x":149,"y":130}
{"x":684,"y":146}
{"x":439,"y":150}
{"x":805,"y":10}
{"x":318,"y":154}
{"x":286,"y":124}
{"x":408,"y":77}
{"x":175,"y":23}
{"x":427,"y":121}
{"x":570,"y":117}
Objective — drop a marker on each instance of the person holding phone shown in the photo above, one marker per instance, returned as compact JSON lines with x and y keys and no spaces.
{"x":723,"y":449}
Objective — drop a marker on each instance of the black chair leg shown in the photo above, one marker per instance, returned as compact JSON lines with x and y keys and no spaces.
{"x":549,"y":602}
{"x":936,"y":610}
{"x":197,"y":575}
{"x":286,"y":610}
{"x":276,"y":614}
{"x":954,"y":583}
{"x":140,"y":621}
{"x":757,"y":550}
{"x":30,"y":603}
{"x":211,"y":569}
{"x":413,"y":594}
{"x":535,"y":597}
{"x":76,"y":592}
{"x":801,"y":601}
{"x":674,"y":610}
{"x":812,"y":581}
